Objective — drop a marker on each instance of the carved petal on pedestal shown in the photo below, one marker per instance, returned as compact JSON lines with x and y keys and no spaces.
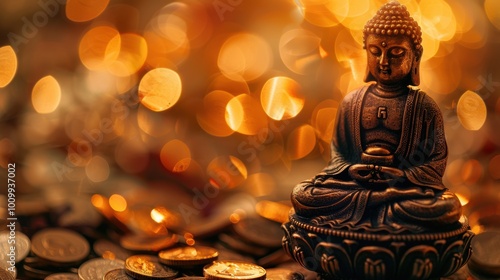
{"x":373,"y":262}
{"x":285,"y":241}
{"x":303,"y":253}
{"x":467,"y":238}
{"x":334,"y":260}
{"x":453,"y":258}
{"x":419,"y":262}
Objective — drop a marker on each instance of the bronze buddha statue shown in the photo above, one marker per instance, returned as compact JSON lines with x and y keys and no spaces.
{"x":379,"y":209}
{"x":388,"y":153}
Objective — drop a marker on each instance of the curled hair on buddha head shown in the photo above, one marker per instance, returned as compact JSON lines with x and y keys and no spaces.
{"x":393,"y":19}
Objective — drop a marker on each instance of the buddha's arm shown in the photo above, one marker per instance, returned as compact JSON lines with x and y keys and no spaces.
{"x":431,"y":153}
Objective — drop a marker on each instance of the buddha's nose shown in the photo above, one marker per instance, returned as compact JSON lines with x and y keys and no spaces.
{"x":383,"y":60}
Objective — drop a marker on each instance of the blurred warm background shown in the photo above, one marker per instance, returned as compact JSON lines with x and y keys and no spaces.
{"x":184,"y":106}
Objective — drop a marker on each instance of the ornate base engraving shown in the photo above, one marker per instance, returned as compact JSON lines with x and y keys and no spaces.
{"x":342,"y":254}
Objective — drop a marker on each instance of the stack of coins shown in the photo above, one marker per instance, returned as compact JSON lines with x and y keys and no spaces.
{"x":219,"y":270}
{"x":190,"y":258}
{"x":485,"y":260}
{"x":55,"y":250}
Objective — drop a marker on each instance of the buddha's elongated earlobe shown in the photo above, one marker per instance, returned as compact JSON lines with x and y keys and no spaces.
{"x":415,"y":69}
{"x":368,"y":75}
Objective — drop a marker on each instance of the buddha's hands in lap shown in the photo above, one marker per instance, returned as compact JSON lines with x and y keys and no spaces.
{"x":369,"y":173}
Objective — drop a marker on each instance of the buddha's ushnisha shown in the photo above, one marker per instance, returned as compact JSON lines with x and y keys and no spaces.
{"x":388,"y":153}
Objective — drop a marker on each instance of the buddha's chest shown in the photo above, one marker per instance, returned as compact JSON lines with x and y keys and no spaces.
{"x":383,"y":112}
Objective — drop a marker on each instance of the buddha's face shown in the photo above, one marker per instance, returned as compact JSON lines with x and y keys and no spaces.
{"x":390,"y":58}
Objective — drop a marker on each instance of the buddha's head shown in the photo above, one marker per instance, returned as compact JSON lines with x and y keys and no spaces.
{"x":392,"y":39}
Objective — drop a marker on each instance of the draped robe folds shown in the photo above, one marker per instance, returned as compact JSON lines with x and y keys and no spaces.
{"x":333,"y":199}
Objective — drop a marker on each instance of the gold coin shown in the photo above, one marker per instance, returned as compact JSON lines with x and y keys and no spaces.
{"x":233,"y":270}
{"x":5,"y":274}
{"x":97,"y":268}
{"x":260,"y":231}
{"x":141,"y":243}
{"x":283,"y":274}
{"x":61,"y":246}
{"x":484,"y":259}
{"x":117,"y":274}
{"x":148,"y":267}
{"x":188,"y":256}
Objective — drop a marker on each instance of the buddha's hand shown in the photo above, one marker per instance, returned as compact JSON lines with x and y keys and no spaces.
{"x":375,"y":174}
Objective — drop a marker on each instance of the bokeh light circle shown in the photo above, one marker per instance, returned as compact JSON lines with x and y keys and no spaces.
{"x":160,"y":89}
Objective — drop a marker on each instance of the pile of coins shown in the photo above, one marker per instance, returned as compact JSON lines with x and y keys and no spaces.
{"x":238,"y":247}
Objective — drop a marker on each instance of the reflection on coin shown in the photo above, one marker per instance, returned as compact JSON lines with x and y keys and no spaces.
{"x":62,"y":276}
{"x":59,"y":245}
{"x":95,"y":269}
{"x":109,"y":250}
{"x":283,"y":274}
{"x":5,"y":275}
{"x":260,"y":231}
{"x":22,"y":245}
{"x":141,"y":243}
{"x":35,"y":272}
{"x":202,"y":227}
{"x":233,"y":270}
{"x":117,"y":274}
{"x":188,"y":256}
{"x":274,"y":211}
{"x":145,"y":266}
{"x":236,"y":243}
{"x":485,"y":254}
{"x":273,"y":259}
{"x":295,"y":266}
{"x":229,"y":254}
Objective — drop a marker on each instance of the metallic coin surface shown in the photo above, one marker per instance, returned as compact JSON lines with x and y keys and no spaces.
{"x":17,"y":240}
{"x":117,"y":274}
{"x":140,"y":243}
{"x":238,"y":244}
{"x":188,"y":256}
{"x":109,"y":250}
{"x":95,"y":269}
{"x":485,"y":257}
{"x":148,"y":267}
{"x":260,"y":231}
{"x":274,"y":211}
{"x":6,"y":275}
{"x":59,"y":245}
{"x":226,"y":253}
{"x":283,"y":274}
{"x":62,"y":276}
{"x":233,"y":270}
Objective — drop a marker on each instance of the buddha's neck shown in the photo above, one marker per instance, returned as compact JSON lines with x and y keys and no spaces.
{"x":390,"y":90}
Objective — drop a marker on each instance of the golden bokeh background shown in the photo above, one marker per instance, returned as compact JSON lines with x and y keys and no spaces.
{"x":99,"y":98}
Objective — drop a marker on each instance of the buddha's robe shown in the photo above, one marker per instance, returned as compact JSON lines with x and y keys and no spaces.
{"x":336,"y":200}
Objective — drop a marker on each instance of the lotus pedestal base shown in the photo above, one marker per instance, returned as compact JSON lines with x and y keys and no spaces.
{"x":342,"y":254}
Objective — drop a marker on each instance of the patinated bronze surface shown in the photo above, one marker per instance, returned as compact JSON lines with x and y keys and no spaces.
{"x":384,"y":179}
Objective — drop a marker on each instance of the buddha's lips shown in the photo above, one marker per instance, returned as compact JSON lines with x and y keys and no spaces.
{"x":385,"y":71}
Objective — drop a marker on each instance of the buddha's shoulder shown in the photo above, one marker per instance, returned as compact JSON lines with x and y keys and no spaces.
{"x":428,"y":104}
{"x":426,"y":100}
{"x":355,"y":94}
